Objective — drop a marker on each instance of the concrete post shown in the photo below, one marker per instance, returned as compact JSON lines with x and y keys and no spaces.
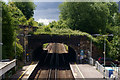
{"x":0,"y":31}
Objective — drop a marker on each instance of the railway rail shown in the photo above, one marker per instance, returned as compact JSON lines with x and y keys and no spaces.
{"x":54,"y":67}
{"x":53,"y":74}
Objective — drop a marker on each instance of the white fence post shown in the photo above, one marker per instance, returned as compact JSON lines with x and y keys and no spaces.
{"x":91,"y":61}
{"x":100,"y":68}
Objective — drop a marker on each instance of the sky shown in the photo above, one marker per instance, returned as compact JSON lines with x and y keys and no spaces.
{"x":46,"y":12}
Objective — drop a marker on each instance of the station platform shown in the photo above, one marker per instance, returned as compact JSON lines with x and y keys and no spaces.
{"x":6,"y":66}
{"x":28,"y":71}
{"x":85,"y":72}
{"x":25,"y":72}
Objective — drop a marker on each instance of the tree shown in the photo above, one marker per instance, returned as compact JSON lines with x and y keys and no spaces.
{"x":87,"y":17}
{"x":7,"y":32}
{"x":17,"y":15}
{"x":113,"y":16}
{"x":40,"y":24}
{"x":11,"y":18}
{"x":115,"y":43}
{"x":53,"y":24}
{"x":27,"y":8}
{"x":31,"y":22}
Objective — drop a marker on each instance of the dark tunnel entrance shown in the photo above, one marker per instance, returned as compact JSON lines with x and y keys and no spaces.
{"x":54,"y":59}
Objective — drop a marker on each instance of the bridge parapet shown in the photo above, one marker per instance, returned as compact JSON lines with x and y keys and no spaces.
{"x":77,"y":42}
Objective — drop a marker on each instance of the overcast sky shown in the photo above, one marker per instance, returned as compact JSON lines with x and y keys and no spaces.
{"x":46,"y":12}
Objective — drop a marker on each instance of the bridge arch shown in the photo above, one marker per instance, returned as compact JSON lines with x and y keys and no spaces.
{"x":39,"y":54}
{"x":36,"y":41}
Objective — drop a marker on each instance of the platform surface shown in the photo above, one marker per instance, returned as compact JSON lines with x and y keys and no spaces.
{"x":26,"y":74}
{"x":6,"y":66}
{"x":85,"y":72}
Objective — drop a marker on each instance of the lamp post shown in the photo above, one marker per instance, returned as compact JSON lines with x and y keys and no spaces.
{"x":25,"y":47}
{"x":104,"y":52}
{"x":104,"y":56}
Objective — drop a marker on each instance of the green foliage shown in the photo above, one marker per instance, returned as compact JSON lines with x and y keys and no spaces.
{"x":66,"y":47}
{"x":7,"y":32}
{"x":45,"y":45}
{"x":17,"y":15}
{"x":27,"y":8}
{"x":19,"y":50}
{"x":31,"y":22}
{"x":115,"y":47}
{"x":62,"y":31}
{"x":12,"y":17}
{"x":76,"y":18}
{"x":59,"y":24}
{"x":23,"y":20}
{"x":47,"y":29}
{"x":115,"y":43}
{"x":113,"y":13}
{"x":87,"y":17}
{"x":40,"y":24}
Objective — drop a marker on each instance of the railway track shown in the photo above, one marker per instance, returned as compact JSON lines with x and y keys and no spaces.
{"x":54,"y":67}
{"x":54,"y":74}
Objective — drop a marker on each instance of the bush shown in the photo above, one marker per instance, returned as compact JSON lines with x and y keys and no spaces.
{"x":19,"y":50}
{"x":47,"y":29}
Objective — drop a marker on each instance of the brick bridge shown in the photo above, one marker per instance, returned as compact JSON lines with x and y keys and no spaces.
{"x":75,"y":42}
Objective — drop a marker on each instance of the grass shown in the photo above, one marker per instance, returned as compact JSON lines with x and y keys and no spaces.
{"x":63,"y":31}
{"x":67,"y":31}
{"x":45,"y":45}
{"x":66,"y":47}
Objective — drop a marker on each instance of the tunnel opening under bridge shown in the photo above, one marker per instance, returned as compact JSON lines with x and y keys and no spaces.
{"x":45,"y":57}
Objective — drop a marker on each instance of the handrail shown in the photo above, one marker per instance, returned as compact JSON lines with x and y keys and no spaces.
{"x":114,"y":67}
{"x":114,"y":64}
{"x":100,"y":68}
{"x":9,"y":62}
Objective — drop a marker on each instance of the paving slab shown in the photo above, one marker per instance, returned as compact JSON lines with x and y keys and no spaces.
{"x":85,"y":72}
{"x":24,"y":72}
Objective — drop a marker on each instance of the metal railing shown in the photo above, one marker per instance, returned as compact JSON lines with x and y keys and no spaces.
{"x":116,"y":70}
{"x":100,"y":68}
{"x":114,"y":67}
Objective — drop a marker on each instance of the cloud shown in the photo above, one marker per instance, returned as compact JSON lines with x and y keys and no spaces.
{"x":5,"y":1}
{"x":46,"y":21}
{"x":46,"y":5}
{"x":51,"y":13}
{"x":46,"y":10}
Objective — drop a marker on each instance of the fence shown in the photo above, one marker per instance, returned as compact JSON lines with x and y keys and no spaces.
{"x":101,"y":68}
{"x":115,"y":68}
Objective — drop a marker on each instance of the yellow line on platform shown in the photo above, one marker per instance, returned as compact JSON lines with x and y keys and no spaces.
{"x":24,"y":72}
{"x":80,"y":71}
